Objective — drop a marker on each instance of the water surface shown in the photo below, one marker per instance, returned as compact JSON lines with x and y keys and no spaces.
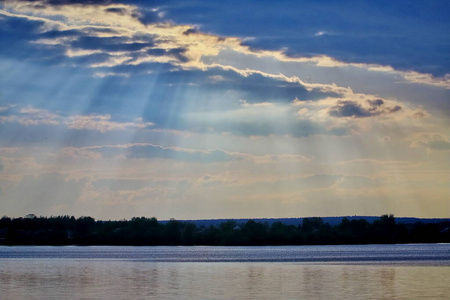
{"x":287,"y":272}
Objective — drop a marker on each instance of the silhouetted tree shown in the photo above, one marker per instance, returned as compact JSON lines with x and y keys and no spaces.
{"x":65,"y":230}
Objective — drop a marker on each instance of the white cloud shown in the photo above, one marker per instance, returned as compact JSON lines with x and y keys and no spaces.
{"x":103,"y":123}
{"x":93,"y":19}
{"x":108,"y":74}
{"x":31,"y":116}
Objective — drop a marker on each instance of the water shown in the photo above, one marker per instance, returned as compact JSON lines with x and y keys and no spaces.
{"x":287,"y":272}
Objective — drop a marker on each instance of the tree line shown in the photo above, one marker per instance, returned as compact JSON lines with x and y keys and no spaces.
{"x":142,"y":231}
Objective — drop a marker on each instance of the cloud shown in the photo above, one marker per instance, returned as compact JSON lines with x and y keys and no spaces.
{"x":217,"y":78}
{"x":431,"y":141}
{"x":152,"y":151}
{"x":103,"y":123}
{"x":109,"y":74}
{"x":349,"y":109}
{"x":5,"y":108}
{"x":319,"y":181}
{"x":278,"y":158}
{"x":167,"y":95}
{"x":439,"y":145}
{"x":259,"y":119}
{"x":31,"y":116}
{"x":426,"y":79}
{"x":124,"y":31}
{"x":132,"y":35}
{"x":111,"y":44}
{"x":260,"y":87}
{"x":220,"y":111}
{"x":293,"y":81}
{"x":65,"y":2}
{"x":80,"y":153}
{"x":345,"y":108}
{"x":198,"y":156}
{"x":333,"y":116}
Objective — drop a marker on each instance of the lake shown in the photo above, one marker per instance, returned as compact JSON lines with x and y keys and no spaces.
{"x":419,"y":271}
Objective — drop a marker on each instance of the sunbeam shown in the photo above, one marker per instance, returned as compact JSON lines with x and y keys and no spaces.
{"x":116,"y":109}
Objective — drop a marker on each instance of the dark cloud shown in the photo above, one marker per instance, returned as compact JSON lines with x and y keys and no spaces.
{"x":376,"y":103}
{"x":356,"y":110}
{"x":117,"y":10}
{"x":419,"y":115}
{"x":177,"y":53}
{"x":110,"y":44}
{"x":349,"y":109}
{"x":394,"y":109}
{"x":60,"y":33}
{"x":190,"y":31}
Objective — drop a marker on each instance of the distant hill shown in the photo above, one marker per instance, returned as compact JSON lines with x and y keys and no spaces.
{"x":296,"y":221}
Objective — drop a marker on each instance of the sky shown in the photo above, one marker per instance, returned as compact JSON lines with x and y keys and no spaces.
{"x":224,"y":109}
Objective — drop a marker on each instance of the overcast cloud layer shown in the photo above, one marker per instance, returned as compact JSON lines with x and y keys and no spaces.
{"x":194,"y":109}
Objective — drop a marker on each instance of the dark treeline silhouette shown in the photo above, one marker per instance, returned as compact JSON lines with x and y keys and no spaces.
{"x":67,"y":230}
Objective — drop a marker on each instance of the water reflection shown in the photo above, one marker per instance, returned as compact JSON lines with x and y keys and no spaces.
{"x":387,"y":277}
{"x":75,"y":278}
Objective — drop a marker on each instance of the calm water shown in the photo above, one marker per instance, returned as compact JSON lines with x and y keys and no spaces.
{"x":291,"y":272}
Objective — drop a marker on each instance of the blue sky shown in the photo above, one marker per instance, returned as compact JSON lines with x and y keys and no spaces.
{"x":230,"y":109}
